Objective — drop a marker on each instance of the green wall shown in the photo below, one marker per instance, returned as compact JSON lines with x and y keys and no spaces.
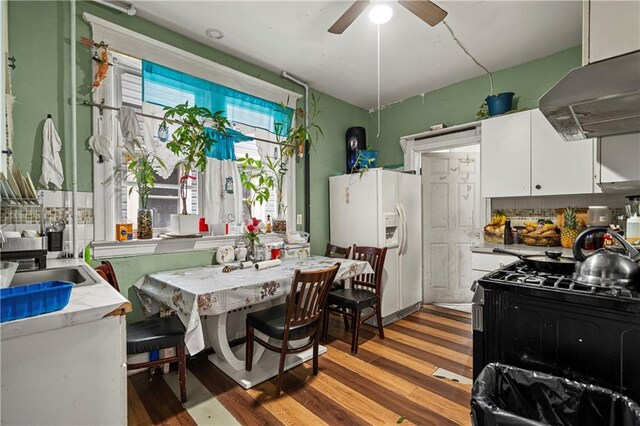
{"x":458,"y":103}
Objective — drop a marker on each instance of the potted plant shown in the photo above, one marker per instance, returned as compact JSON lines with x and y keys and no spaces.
{"x":190,"y":141}
{"x":262,"y":176}
{"x":252,"y":227}
{"x":142,"y":166}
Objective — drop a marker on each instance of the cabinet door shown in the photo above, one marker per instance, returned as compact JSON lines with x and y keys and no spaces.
{"x":620,"y":158}
{"x":557,"y":166}
{"x":614,"y":28}
{"x":505,"y":156}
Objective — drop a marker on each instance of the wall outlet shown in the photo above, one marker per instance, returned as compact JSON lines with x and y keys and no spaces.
{"x":298,"y":219}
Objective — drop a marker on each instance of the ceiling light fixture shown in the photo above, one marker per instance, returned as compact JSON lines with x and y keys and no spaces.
{"x":380,"y":14}
{"x":214,"y":33}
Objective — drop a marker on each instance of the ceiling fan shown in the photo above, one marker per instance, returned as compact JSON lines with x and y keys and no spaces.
{"x":423,"y":9}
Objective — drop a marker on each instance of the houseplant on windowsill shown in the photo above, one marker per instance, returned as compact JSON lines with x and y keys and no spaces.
{"x":142,"y":166}
{"x":252,"y":227}
{"x":190,"y":141}
{"x":262,"y":176}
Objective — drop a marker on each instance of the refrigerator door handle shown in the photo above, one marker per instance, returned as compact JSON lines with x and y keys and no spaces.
{"x":401,"y":228}
{"x":406,"y":229}
{"x":402,"y":244}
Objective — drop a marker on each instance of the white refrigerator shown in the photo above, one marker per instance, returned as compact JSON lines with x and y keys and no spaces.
{"x":382,"y":208}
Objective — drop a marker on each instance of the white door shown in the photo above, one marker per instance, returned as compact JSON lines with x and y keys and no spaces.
{"x":506,"y":156}
{"x":451,"y":224}
{"x":558,"y":167}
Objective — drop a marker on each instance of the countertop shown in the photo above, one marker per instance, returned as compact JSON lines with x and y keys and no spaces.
{"x":521,"y":248}
{"x":87,"y":303}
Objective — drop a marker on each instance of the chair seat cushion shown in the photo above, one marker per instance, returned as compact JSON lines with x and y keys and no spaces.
{"x":352,"y":298}
{"x":154,"y":334}
{"x":270,"y":321}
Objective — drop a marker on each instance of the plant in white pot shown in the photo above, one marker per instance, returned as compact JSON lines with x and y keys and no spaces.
{"x":190,"y":141}
{"x":261,"y":176}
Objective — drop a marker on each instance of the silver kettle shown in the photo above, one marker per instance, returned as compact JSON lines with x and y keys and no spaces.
{"x":608,"y":266}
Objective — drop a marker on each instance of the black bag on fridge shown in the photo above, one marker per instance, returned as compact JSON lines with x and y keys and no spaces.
{"x":506,"y":395}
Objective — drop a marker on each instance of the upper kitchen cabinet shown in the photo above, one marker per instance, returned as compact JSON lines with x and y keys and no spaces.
{"x":610,"y":28}
{"x":558,"y":167}
{"x":505,"y":156}
{"x":618,"y":165}
{"x":523,"y":155}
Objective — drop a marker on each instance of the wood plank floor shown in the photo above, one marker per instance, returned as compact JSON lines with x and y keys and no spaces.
{"x":388,"y":380}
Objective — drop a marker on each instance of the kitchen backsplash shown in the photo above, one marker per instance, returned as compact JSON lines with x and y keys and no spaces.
{"x":30,"y":215}
{"x":523,"y":209}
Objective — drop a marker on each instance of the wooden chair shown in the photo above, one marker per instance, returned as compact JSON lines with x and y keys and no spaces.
{"x":337,"y":252}
{"x":296,"y":319}
{"x":365,"y":292}
{"x":153,"y":334}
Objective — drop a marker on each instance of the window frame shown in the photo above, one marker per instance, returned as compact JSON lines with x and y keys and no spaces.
{"x":107,"y":187}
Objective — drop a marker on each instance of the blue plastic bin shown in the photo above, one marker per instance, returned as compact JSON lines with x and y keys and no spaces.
{"x":33,"y":299}
{"x":499,"y":104}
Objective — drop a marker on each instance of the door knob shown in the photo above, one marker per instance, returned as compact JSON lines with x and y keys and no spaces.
{"x":538,"y":186}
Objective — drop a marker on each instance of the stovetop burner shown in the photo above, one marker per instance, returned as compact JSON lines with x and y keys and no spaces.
{"x":518,"y":273}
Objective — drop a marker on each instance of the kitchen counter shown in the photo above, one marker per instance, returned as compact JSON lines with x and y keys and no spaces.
{"x":87,"y":303}
{"x":485,"y":247}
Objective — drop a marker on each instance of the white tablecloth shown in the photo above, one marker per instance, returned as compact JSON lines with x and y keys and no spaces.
{"x":209,"y":291}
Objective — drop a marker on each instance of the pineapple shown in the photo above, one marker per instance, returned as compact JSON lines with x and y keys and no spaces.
{"x":570,"y":230}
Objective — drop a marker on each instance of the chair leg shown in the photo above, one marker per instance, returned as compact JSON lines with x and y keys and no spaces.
{"x":356,"y":332}
{"x":249,"y":349}
{"x":379,"y":320}
{"x":316,"y":343}
{"x":280,"y":379}
{"x":345,"y":318}
{"x":182,"y":372}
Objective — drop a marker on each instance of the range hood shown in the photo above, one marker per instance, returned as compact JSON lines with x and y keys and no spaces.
{"x":599,"y":99}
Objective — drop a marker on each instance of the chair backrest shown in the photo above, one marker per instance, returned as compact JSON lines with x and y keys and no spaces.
{"x":309,"y":292}
{"x":106,"y":271}
{"x":337,"y":252}
{"x":375,"y":256}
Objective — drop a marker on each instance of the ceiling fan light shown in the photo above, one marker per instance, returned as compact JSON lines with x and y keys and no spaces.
{"x":380,"y":14}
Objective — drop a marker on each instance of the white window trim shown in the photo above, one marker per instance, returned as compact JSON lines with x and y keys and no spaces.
{"x":105,"y":188}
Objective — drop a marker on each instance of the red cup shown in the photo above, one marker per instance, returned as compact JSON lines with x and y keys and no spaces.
{"x":275,"y":253}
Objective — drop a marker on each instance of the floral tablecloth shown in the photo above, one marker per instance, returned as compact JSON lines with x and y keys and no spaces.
{"x":209,"y":291}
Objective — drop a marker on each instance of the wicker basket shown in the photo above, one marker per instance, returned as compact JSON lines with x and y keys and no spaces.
{"x":538,"y":240}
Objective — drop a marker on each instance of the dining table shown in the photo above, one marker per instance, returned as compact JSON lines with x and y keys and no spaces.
{"x":213,"y":304}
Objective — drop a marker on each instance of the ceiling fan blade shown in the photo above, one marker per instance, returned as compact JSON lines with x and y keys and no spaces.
{"x":428,"y":11}
{"x":349,"y":16}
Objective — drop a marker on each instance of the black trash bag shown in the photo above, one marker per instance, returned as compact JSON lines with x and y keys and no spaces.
{"x":505,"y":395}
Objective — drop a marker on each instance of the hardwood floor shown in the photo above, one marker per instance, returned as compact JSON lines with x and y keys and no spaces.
{"x":388,"y":380}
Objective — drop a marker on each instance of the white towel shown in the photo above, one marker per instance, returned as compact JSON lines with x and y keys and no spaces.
{"x":222,"y":188}
{"x":52,"y":171}
{"x":129,"y":127}
{"x":154,"y":144}
{"x":100,"y":144}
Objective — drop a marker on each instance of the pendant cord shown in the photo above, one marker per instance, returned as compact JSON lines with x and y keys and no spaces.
{"x":378,"y":135}
{"x":469,"y":54}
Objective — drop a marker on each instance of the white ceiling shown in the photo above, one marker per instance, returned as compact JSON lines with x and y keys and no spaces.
{"x":415,"y":58}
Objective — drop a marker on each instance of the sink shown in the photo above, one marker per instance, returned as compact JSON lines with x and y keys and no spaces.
{"x":74,"y":274}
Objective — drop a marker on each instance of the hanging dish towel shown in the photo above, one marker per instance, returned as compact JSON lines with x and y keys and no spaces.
{"x":129,"y":127}
{"x":100,"y":144}
{"x":222,"y":186}
{"x":52,"y":171}
{"x":156,"y":142}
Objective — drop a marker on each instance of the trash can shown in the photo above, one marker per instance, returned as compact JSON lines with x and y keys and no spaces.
{"x":506,"y":395}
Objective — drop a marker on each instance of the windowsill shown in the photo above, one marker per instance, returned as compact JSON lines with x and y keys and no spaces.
{"x":109,"y":249}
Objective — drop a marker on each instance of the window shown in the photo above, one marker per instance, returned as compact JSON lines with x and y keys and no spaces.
{"x":164,"y":199}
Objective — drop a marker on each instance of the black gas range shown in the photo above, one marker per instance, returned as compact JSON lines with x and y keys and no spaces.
{"x":550,"y":323}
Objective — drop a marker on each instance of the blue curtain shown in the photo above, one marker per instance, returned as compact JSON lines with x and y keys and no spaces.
{"x":223,"y":149}
{"x":167,"y":87}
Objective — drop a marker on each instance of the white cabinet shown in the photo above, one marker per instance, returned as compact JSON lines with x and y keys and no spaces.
{"x":523,"y":155}
{"x":557,"y":166}
{"x":619,"y":161}
{"x":505,"y":156}
{"x":612,"y":28}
